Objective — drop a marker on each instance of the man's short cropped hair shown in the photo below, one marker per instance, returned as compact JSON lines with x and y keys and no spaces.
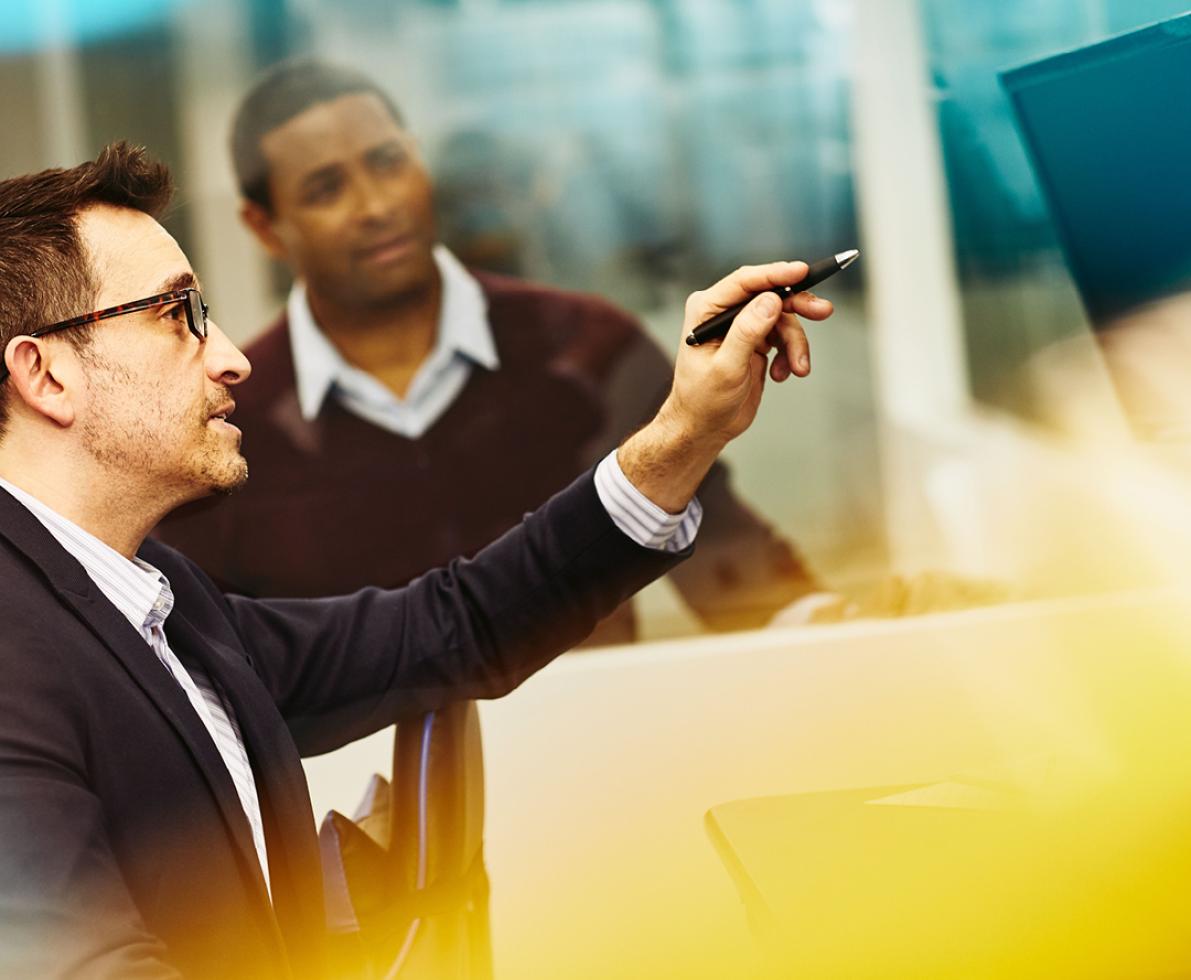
{"x":282,"y":92}
{"x":46,"y":273}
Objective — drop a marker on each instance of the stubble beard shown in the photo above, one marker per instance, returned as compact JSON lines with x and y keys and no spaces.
{"x":235,"y":475}
{"x":224,"y":470}
{"x":135,"y":450}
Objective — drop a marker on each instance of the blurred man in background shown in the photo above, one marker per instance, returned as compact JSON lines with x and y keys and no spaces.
{"x":398,"y":385}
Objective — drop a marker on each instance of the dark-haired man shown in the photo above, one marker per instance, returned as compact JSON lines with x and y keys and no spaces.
{"x":154,"y":819}
{"x":398,"y":384}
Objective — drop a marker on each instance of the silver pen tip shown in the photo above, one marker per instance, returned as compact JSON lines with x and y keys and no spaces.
{"x":845,"y":259}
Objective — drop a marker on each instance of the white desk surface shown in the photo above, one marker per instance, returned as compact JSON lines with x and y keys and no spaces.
{"x":600,"y":769}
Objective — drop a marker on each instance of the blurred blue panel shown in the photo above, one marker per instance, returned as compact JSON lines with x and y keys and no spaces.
{"x":709,"y":130}
{"x":1108,"y":128}
{"x":31,"y":24}
{"x":1000,"y":219}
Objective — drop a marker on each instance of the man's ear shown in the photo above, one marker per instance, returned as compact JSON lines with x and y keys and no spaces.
{"x":260,"y":222}
{"x":31,"y":375}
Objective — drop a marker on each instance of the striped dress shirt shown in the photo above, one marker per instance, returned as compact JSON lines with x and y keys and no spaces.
{"x":638,"y":516}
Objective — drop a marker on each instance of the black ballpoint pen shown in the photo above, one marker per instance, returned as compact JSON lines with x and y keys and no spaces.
{"x":717,"y":327}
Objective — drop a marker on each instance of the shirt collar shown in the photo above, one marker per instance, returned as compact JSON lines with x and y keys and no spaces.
{"x":463,"y":328}
{"x":138,"y":590}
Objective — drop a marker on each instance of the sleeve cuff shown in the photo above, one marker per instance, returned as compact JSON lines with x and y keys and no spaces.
{"x":638,"y":516}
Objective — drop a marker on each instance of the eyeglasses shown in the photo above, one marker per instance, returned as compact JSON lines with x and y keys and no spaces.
{"x":190,"y":299}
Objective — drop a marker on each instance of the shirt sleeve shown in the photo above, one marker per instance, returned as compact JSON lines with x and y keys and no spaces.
{"x":639,"y":517}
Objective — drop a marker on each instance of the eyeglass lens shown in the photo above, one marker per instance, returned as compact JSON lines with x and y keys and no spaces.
{"x":196,"y":310}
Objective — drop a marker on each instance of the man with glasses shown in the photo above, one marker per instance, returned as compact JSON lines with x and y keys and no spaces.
{"x":154,"y":818}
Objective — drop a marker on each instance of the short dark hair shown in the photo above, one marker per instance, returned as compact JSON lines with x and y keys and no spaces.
{"x":282,"y":92}
{"x":46,"y":274}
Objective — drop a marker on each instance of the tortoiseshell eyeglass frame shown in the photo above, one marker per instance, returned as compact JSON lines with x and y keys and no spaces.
{"x":196,"y":315}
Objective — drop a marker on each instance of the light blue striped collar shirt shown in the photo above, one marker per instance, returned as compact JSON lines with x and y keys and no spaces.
{"x":464,"y":341}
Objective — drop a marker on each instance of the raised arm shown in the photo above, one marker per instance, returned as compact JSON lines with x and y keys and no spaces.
{"x":341,"y":668}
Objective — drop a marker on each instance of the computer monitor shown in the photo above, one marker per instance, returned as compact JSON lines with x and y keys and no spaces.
{"x":1108,"y":131}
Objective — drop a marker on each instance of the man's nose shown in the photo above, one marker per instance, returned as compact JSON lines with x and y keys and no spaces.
{"x":374,"y":201}
{"x":225,"y":361}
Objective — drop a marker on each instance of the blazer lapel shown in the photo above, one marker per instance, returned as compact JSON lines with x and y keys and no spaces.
{"x":67,"y":577}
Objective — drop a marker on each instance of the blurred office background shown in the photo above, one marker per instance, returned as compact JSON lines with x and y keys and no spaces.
{"x":640,"y":149}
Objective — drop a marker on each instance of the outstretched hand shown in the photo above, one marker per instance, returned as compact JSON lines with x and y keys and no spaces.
{"x":717,"y":386}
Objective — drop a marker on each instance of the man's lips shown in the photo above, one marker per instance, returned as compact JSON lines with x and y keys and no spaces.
{"x":221,"y":415}
{"x":388,"y":248}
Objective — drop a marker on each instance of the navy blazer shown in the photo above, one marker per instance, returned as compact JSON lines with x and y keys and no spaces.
{"x":124,"y":851}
